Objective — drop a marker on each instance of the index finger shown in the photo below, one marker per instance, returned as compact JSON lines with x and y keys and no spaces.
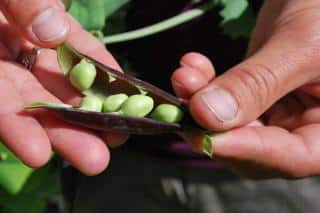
{"x":291,"y":154}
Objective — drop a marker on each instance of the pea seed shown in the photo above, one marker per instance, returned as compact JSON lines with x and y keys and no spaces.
{"x":167,"y":113}
{"x":137,"y":106}
{"x":83,"y":75}
{"x":113,"y":102}
{"x":91,"y":103}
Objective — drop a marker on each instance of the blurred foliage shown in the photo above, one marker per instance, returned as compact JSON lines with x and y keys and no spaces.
{"x":41,"y":186}
{"x":24,"y":189}
{"x":106,"y":17}
{"x":13,"y":174}
{"x":241,"y":26}
{"x":92,"y":14}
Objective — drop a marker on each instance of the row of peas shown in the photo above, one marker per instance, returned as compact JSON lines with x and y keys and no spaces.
{"x":82,"y":77}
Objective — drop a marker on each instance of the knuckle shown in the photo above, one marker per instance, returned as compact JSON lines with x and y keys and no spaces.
{"x":259,"y":82}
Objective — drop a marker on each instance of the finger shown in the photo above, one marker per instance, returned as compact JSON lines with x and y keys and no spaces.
{"x":195,"y":72}
{"x":42,"y":22}
{"x":186,"y":81}
{"x":310,"y":116}
{"x":246,"y":91}
{"x":82,"y":148}
{"x":31,"y":146}
{"x":306,"y":100}
{"x":311,"y":89}
{"x":114,"y":139}
{"x":274,"y":149}
{"x":298,"y":110}
{"x":200,"y":63}
{"x":287,"y":113}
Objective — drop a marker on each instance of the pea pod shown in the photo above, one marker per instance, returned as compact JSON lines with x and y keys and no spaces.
{"x":109,"y":83}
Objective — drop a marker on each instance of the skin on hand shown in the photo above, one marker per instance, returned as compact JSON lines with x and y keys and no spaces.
{"x":278,"y":80}
{"x":44,"y":23}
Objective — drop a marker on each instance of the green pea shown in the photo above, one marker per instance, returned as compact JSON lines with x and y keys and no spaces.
{"x":83,"y":75}
{"x":91,"y":103}
{"x":167,"y":113}
{"x":137,"y":106}
{"x":113,"y":102}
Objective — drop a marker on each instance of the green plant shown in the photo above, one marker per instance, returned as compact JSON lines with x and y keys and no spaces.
{"x":24,"y":189}
{"x":237,"y":18}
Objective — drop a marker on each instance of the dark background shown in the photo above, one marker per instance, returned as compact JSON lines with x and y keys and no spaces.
{"x":154,"y":58}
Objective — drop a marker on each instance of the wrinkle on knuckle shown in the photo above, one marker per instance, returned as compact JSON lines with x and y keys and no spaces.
{"x":259,"y":81}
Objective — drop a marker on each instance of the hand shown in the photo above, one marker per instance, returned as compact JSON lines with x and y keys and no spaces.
{"x":281,"y":74}
{"x":32,"y":136}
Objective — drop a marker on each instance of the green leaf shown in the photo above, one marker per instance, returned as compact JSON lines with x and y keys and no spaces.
{"x":233,"y":9}
{"x":241,"y":27}
{"x":13,"y":176}
{"x":93,"y":14}
{"x":116,"y":23}
{"x":13,"y":173}
{"x":9,"y":156}
{"x":42,"y":185}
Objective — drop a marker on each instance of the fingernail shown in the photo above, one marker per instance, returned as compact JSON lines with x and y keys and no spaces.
{"x":221,"y":103}
{"x":50,"y":25}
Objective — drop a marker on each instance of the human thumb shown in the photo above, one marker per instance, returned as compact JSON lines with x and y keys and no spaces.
{"x":42,"y":22}
{"x":247,"y":90}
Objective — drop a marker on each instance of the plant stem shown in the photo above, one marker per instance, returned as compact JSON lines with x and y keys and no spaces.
{"x":158,"y":27}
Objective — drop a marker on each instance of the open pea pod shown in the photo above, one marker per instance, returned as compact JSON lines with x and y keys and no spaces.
{"x":109,"y":81}
{"x":107,"y":121}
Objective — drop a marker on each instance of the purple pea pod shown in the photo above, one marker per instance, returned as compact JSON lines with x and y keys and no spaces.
{"x":109,"y":81}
